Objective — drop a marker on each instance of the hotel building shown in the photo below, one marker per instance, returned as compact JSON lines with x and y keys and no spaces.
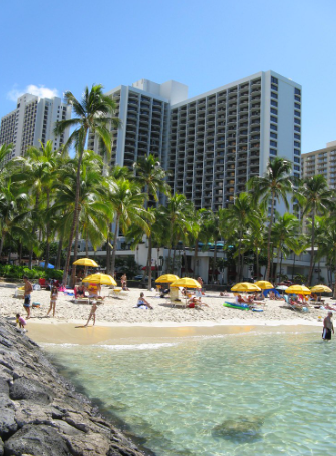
{"x":211,"y":144}
{"x":322,"y":161}
{"x":32,"y":121}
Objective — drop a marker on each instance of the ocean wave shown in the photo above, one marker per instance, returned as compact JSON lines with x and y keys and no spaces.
{"x":137,"y":346}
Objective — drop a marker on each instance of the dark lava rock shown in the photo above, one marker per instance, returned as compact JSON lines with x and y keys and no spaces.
{"x":36,"y":441}
{"x":30,"y":390}
{"x":1,"y":447}
{"x":8,"y":424}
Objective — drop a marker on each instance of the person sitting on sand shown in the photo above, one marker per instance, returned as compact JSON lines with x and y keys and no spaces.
{"x":92,"y":313}
{"x":80,"y":291}
{"x":142,"y":303}
{"x":241,"y":300}
{"x":224,"y":293}
{"x":95,"y":292}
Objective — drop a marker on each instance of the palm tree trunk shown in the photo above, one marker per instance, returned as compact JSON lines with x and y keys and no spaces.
{"x":257,"y":263}
{"x":47,"y":234}
{"x":20,"y":252}
{"x":149,"y":262}
{"x":214,"y":263}
{"x":334,"y":294}
{"x":108,"y":254}
{"x":174,"y":257}
{"x":185,"y":261}
{"x":86,"y":245}
{"x":3,"y":235}
{"x":75,"y":218}
{"x":239,"y":257}
{"x":312,"y":250}
{"x":73,"y":272}
{"x":269,"y":240}
{"x":293,"y":266}
{"x":195,"y":258}
{"x":281,"y":262}
{"x":277,"y":263}
{"x":114,"y":244}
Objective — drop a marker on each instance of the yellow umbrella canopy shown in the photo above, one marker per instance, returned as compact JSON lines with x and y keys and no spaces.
{"x":100,"y":279}
{"x":264,"y":285}
{"x":86,"y":262}
{"x":167,"y":278}
{"x":245,"y":286}
{"x":186,"y":282}
{"x":321,"y":289}
{"x":298,"y":289}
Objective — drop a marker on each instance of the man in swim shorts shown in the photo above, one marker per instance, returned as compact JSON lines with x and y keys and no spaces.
{"x":28,"y":288}
{"x":327,"y":327}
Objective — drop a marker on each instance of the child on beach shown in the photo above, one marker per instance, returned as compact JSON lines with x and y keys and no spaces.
{"x":92,"y":313}
{"x":21,"y":322}
{"x":53,"y":299}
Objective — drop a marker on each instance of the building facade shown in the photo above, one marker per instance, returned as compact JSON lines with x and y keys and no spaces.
{"x":220,"y":139}
{"x":322,"y":161}
{"x":32,"y":121}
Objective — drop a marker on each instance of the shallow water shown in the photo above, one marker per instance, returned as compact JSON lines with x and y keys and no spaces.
{"x":250,"y":394}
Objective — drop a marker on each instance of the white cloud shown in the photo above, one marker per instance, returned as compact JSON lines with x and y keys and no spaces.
{"x":40,"y":91}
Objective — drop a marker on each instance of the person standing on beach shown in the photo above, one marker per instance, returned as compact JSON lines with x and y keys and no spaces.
{"x":53,"y":300}
{"x":92,"y":313}
{"x":327,"y":327}
{"x":28,"y":288}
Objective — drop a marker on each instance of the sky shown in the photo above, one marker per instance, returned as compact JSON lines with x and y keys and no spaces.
{"x":50,"y":47}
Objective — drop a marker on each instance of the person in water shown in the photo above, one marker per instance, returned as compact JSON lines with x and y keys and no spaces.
{"x":327,"y":327}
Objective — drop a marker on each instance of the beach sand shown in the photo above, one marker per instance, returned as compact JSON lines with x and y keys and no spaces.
{"x":128,"y":321}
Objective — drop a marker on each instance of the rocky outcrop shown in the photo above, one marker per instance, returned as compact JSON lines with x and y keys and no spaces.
{"x":41,"y":414}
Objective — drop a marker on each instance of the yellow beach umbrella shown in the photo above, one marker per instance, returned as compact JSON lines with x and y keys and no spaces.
{"x":86,"y":262}
{"x":100,"y":279}
{"x":167,"y":278}
{"x":321,"y":289}
{"x":186,"y":282}
{"x":245,"y":286}
{"x":264,"y":285}
{"x":298,"y":289}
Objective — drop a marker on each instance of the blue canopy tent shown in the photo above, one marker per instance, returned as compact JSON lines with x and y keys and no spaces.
{"x":277,"y":294}
{"x":49,"y":266}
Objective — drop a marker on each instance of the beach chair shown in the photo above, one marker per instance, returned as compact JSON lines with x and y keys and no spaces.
{"x":176,"y":299}
{"x":19,"y":293}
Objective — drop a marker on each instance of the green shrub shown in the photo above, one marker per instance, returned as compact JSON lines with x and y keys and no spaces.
{"x":9,"y":271}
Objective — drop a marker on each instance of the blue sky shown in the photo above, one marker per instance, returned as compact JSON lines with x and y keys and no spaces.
{"x":66,"y":45}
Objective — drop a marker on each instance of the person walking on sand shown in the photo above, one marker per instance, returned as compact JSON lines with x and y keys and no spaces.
{"x":92,"y":313}
{"x":53,"y":300}
{"x":28,"y":288}
{"x":327,"y":327}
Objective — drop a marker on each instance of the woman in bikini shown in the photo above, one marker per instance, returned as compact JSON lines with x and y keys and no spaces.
{"x":53,"y":300}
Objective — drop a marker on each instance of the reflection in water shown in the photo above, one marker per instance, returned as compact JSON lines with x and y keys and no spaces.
{"x":240,"y":394}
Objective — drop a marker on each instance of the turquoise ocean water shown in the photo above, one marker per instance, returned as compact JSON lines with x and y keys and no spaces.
{"x":251,"y":394}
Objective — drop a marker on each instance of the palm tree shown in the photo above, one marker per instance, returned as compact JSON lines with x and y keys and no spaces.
{"x":284,"y":230}
{"x":274,"y":185}
{"x":93,"y":113}
{"x":5,"y":150}
{"x":315,"y":198}
{"x":127,"y":203}
{"x":151,"y":179}
{"x":326,"y":239}
{"x":240,"y":214}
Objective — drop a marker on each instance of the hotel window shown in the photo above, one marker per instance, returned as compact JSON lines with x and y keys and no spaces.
{"x":274,"y":111}
{"x":274,"y":80}
{"x":274,"y":87}
{"x":296,"y":144}
{"x":297,"y":128}
{"x":297,"y":98}
{"x":297,"y":175}
{"x":297,"y":106}
{"x":297,"y":167}
{"x":297,"y":91}
{"x":274,"y":127}
{"x":274,"y":95}
{"x":298,"y":121}
{"x":274,"y":119}
{"x":296,"y":160}
{"x":296,"y":136}
{"x":274,"y":103}
{"x":273,"y":143}
{"x":273,"y":152}
{"x":297,"y":113}
{"x":273,"y":135}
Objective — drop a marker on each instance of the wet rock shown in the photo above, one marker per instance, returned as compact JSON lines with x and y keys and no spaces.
{"x":8,"y":424}
{"x":30,"y":390}
{"x":1,"y":447}
{"x":242,"y":429}
{"x":37,"y":441}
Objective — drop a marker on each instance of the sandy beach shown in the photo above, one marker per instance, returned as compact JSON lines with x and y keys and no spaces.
{"x":120,"y":311}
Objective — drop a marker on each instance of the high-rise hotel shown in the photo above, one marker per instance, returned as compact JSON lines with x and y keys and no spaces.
{"x":32,"y":121}
{"x":213,"y":143}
